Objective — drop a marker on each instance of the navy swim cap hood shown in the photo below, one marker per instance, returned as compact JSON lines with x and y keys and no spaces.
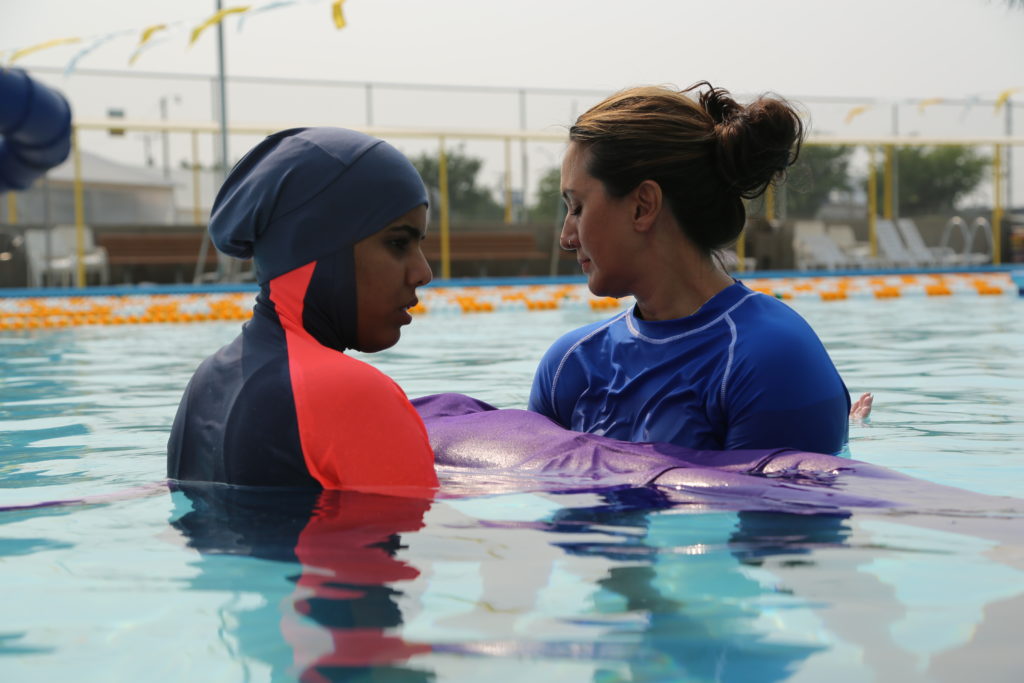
{"x":305,"y":193}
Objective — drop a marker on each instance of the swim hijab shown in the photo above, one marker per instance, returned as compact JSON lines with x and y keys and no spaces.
{"x":305,"y":193}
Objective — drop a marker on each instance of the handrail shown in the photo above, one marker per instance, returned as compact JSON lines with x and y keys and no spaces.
{"x":499,"y":134}
{"x":559,"y":135}
{"x":267,"y":128}
{"x":954,"y":222}
{"x":967,"y":232}
{"x":981,"y":224}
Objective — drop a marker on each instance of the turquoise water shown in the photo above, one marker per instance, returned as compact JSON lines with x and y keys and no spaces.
{"x":618,"y":586}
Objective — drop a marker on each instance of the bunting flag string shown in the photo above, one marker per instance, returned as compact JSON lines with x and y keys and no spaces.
{"x":971,"y":101}
{"x":18,"y":54}
{"x":924,"y":104}
{"x":339,"y":18}
{"x":103,"y":40}
{"x":215,"y":19}
{"x":855,"y":112}
{"x":1004,"y":97}
{"x":144,"y":40}
{"x":156,"y":34}
{"x":278,"y":4}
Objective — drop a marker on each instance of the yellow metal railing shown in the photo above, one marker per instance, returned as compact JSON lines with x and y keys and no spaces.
{"x":442,"y":182}
{"x":888,"y":178}
{"x":872,"y":203}
{"x":997,"y":203}
{"x":197,"y":128}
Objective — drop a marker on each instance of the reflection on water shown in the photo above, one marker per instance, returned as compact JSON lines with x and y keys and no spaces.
{"x":615,"y":585}
{"x":339,"y":558}
{"x":213,"y":583}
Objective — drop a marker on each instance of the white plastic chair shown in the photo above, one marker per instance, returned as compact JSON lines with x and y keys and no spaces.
{"x":819,"y":251}
{"x":941,"y":256}
{"x":52,"y":258}
{"x":804,"y":235}
{"x":894,"y":252}
{"x":48,"y":259}
{"x":846,"y":239}
{"x":95,"y":258}
{"x":802,"y":228}
{"x":731,"y":260}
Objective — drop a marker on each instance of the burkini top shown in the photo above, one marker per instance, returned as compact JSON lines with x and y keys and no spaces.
{"x":743,"y":372}
{"x":282,"y":405}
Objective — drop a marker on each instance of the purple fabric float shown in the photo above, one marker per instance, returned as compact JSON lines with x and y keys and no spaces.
{"x":480,"y":449}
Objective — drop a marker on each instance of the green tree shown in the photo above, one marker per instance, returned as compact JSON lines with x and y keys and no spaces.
{"x":549,"y":206}
{"x":934,"y":179}
{"x":818,"y":171}
{"x":467,"y":199}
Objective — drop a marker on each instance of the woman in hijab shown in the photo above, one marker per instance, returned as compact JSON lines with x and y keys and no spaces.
{"x":333,"y":219}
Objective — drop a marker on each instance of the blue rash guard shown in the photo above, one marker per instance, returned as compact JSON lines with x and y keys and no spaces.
{"x":744,"y":371}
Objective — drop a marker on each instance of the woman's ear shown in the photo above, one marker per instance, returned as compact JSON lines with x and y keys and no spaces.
{"x":648,"y":201}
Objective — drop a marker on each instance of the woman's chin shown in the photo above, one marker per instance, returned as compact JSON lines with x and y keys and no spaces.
{"x":377,"y":344}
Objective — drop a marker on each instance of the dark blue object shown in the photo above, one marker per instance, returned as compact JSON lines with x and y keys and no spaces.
{"x":307,"y":193}
{"x":35,"y":129}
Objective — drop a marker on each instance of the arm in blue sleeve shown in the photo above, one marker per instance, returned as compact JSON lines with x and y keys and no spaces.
{"x":556,"y":383}
{"x":540,"y":392}
{"x":787,"y":393}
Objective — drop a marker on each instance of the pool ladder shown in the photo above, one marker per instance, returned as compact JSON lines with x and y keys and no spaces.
{"x":967,"y":232}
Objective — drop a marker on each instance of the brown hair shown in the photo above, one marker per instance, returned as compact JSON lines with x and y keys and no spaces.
{"x":706,"y":154}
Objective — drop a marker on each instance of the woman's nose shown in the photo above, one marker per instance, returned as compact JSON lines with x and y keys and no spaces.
{"x":421,"y":274}
{"x":567,"y":239}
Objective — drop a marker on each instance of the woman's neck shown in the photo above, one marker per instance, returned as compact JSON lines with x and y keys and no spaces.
{"x":678,"y":283}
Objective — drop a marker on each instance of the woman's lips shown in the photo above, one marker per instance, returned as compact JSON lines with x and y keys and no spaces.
{"x":404,"y":311}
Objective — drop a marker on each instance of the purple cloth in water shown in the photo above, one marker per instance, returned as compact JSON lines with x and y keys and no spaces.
{"x":480,"y":449}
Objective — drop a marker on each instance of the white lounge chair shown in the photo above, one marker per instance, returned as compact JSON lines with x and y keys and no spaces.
{"x":819,"y":251}
{"x":731,"y":260}
{"x":846,"y":240}
{"x":894,"y":252}
{"x":939,"y":256}
{"x":802,"y":228}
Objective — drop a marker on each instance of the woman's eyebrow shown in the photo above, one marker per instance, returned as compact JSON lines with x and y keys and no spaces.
{"x":410,"y":230}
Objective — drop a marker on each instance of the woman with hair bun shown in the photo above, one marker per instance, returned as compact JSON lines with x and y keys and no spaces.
{"x":654,"y":181}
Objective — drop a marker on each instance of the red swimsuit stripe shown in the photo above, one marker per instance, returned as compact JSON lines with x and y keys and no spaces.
{"x":357,"y":429}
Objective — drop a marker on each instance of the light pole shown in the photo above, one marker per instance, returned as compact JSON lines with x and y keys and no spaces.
{"x":165,"y":137}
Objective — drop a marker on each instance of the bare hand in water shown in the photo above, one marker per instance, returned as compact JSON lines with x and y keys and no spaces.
{"x":860,"y":411}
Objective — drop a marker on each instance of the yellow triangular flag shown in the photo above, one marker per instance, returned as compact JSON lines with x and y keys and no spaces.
{"x":18,"y":54}
{"x":147,"y":33}
{"x":1000,"y":101}
{"x":923,"y":104}
{"x":339,"y":18}
{"x":216,"y":18}
{"x":855,"y":112}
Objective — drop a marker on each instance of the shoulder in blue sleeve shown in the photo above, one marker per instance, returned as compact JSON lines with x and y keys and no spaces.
{"x":557,"y":375}
{"x":783,"y":389}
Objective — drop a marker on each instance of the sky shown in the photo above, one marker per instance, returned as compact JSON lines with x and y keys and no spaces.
{"x":881,"y":51}
{"x":866,"y":48}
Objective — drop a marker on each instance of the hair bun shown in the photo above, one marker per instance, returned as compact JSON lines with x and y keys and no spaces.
{"x":753,"y":143}
{"x":718,"y":103}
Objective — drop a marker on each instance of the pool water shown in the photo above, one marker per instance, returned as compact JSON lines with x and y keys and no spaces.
{"x":622,"y":585}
